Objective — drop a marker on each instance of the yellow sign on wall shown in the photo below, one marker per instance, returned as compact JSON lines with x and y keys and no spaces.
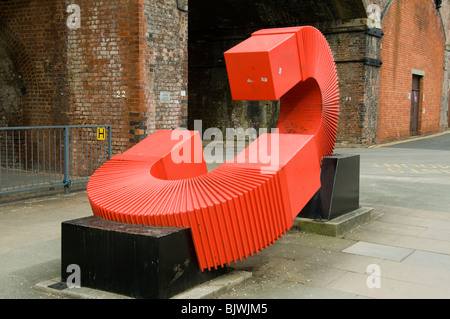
{"x":101,"y":133}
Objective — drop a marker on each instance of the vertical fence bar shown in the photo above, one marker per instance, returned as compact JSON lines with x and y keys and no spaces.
{"x":26,"y":158}
{"x":38,"y":157}
{"x":82,"y":165}
{"x":20,"y":159}
{"x":66,"y":161}
{"x":6,"y":158}
{"x":54,"y":155}
{"x":91,"y":155}
{"x":13,"y":161}
{"x":60,"y":156}
{"x":75,"y":164}
{"x":32,"y":157}
{"x":43,"y":156}
{"x":109,"y":143}
{"x":49,"y":148}
{"x":96,"y":154}
{"x":1,"y":180}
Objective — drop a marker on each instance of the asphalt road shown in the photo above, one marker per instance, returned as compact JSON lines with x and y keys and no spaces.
{"x":414,"y":173}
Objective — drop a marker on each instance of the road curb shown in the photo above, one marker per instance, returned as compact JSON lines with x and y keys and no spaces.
{"x":209,"y":289}
{"x":337,"y":226}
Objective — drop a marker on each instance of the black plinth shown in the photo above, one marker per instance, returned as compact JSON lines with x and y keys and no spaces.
{"x":132,"y":260}
{"x":339,"y":192}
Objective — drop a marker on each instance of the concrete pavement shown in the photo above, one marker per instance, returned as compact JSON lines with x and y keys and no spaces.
{"x":404,"y":252}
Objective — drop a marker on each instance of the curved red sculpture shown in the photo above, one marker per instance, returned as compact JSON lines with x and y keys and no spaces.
{"x":245,"y":205}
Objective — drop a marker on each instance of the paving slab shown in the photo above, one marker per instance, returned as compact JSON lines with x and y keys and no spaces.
{"x":356,"y":283}
{"x":426,"y":244}
{"x":401,"y":219}
{"x":298,"y":271}
{"x":437,"y":223}
{"x":273,"y":288}
{"x":372,"y":235}
{"x":386,"y":228}
{"x":343,"y":261}
{"x":438,"y":234}
{"x":429,"y":259}
{"x":415,"y":273}
{"x":378,"y":251}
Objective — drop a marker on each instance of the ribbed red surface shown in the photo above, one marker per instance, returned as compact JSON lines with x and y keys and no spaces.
{"x":312,"y":105}
{"x":243,"y":206}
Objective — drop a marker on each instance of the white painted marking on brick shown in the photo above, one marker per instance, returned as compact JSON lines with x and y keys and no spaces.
{"x":74,"y":20}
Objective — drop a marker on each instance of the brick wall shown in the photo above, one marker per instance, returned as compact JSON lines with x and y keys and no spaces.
{"x":109,"y":70}
{"x":413,"y":39}
{"x":166,"y":60}
{"x":357,"y":84}
{"x":103,"y":56}
{"x":121,"y":59}
{"x":11,"y":91}
{"x":33,"y":35}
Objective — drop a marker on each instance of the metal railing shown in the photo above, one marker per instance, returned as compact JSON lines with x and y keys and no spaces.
{"x":50,"y":156}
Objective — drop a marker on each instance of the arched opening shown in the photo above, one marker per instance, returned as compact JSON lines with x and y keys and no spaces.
{"x":216,"y":27}
{"x":20,"y":74}
{"x":12,"y":90}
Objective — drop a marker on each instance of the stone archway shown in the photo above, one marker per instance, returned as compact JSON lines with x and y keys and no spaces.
{"x":216,"y":27}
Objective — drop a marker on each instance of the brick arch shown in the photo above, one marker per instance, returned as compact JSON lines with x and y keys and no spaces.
{"x":18,"y":54}
{"x":34,"y":33}
{"x":218,"y":25}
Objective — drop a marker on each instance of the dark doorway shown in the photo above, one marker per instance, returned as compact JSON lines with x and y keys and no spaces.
{"x":415,"y":101}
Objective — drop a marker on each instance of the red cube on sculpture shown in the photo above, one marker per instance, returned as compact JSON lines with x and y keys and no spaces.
{"x":263,"y":67}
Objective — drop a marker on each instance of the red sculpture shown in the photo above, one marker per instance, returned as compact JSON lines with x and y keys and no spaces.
{"x":245,"y":205}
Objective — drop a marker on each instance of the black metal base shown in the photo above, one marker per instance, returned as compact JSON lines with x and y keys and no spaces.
{"x":131,"y":260}
{"x":339,"y":192}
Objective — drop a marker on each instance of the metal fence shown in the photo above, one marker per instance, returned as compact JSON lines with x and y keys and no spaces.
{"x":50,"y":156}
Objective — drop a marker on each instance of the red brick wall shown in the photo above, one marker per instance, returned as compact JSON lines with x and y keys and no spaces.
{"x":111,"y":70}
{"x":103,"y":60}
{"x":166,"y":33}
{"x":122,"y":57}
{"x":349,"y":50}
{"x":413,"y":39}
{"x":33,"y":34}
